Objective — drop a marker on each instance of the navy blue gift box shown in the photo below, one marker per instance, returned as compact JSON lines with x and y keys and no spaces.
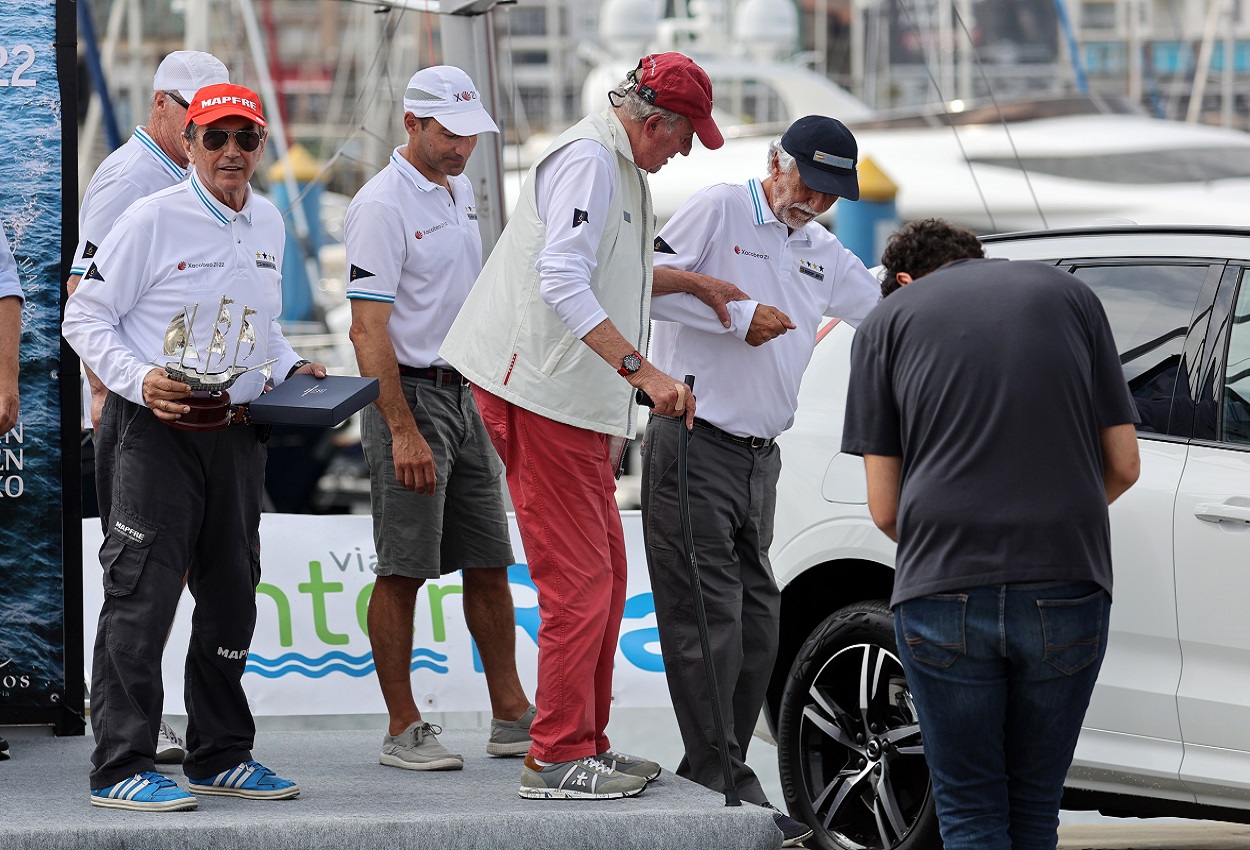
{"x":305,"y":400}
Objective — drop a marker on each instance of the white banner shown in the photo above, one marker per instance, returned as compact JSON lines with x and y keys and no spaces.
{"x":311,"y":651}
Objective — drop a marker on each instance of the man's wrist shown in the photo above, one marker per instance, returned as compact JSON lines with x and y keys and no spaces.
{"x":299,"y":364}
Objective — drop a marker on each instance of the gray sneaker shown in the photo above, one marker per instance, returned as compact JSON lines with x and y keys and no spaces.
{"x":582,"y":779}
{"x":417,"y":748}
{"x":632,"y":765}
{"x":169,"y":747}
{"x":511,"y":737}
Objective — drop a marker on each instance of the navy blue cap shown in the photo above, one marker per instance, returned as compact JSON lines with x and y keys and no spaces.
{"x":826,"y":153}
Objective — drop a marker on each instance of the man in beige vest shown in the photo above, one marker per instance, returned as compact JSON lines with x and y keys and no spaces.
{"x":561,"y":307}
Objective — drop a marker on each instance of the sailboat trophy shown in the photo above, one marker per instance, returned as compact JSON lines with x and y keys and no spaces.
{"x":209,"y":381}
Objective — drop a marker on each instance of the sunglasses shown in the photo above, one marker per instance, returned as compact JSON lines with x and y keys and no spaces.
{"x":177,"y":98}
{"x":215,"y":140}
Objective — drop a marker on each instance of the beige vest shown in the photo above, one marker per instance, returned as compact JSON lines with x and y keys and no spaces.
{"x":509,"y":342}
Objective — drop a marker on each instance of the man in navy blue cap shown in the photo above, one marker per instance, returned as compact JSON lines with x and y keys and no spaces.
{"x":761,"y":235}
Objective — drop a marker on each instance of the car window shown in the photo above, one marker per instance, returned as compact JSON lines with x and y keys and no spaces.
{"x":1235,"y":399}
{"x":1150,"y":307}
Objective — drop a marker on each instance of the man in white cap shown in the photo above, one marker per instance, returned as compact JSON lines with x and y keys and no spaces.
{"x":413,"y":252}
{"x":153,"y":159}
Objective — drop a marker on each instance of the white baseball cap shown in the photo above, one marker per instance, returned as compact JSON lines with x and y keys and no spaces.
{"x":187,"y":71}
{"x":446,"y":93}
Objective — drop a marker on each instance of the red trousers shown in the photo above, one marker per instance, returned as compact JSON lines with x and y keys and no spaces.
{"x":563,"y":490}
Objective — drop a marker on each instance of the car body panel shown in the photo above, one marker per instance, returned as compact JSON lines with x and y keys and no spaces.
{"x":1170,"y":716}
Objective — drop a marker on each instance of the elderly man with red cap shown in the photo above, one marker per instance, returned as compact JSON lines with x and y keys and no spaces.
{"x":551,"y":337}
{"x":189,"y":276}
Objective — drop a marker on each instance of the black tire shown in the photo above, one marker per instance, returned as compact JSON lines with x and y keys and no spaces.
{"x":852,"y":761}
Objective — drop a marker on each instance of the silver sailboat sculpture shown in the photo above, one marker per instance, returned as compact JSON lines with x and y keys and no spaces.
{"x":205,"y":376}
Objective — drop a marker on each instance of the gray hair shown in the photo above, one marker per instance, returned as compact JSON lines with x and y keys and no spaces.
{"x":625,"y":98}
{"x":784,"y":161}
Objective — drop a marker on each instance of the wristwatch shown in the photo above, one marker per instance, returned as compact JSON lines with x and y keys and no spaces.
{"x":630,"y":364}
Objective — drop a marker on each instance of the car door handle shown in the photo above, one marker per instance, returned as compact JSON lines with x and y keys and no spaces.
{"x":1222,"y":513}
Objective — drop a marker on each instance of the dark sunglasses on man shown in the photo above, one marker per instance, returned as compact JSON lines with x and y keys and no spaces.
{"x":215,"y":140}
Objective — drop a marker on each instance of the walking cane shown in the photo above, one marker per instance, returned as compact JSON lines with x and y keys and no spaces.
{"x":700,"y":611}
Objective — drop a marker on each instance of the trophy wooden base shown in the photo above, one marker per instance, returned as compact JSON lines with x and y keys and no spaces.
{"x":209,"y":412}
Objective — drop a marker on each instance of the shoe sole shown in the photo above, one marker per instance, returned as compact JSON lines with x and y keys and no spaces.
{"x":172,"y":755}
{"x":563,"y":794}
{"x":247,"y":794}
{"x":169,"y":806}
{"x":436,"y":764}
{"x":520,"y":748}
{"x":794,"y":842}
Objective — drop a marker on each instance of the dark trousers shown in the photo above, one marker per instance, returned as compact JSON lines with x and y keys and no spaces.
{"x":1001,"y":677}
{"x":181,"y":503}
{"x":733,"y":494}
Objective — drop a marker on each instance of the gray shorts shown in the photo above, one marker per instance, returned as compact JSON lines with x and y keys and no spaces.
{"x":463,"y":524}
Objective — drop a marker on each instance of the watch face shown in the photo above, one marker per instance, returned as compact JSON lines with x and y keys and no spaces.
{"x":631,"y":363}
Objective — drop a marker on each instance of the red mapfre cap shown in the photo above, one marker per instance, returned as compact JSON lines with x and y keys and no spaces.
{"x":222,"y":100}
{"x":674,"y":82}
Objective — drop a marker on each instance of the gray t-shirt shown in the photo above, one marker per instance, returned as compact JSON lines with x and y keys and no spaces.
{"x":991,"y":379}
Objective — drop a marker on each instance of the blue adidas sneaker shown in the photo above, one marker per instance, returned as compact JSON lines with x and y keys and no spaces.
{"x":249,"y":779}
{"x":144,"y":792}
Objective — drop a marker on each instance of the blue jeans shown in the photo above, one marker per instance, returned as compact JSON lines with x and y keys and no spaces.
{"x":1001,"y":677}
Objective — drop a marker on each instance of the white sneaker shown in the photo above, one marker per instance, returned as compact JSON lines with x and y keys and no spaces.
{"x":170,"y":749}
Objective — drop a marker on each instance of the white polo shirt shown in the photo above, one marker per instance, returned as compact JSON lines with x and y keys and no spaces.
{"x":729,"y":232}
{"x":182,"y":249}
{"x":10,"y":283}
{"x":133,"y":171}
{"x":414,"y":244}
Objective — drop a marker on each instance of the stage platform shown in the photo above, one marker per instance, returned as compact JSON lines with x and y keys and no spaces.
{"x":350,"y":802}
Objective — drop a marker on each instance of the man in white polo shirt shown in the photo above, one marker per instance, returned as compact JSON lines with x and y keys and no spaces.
{"x":11,"y":300}
{"x":153,"y":159}
{"x":192,"y":275}
{"x":762,"y":236}
{"x":414,"y":250}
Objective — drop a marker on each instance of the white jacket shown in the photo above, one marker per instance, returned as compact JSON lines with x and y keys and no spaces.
{"x":508,"y":341}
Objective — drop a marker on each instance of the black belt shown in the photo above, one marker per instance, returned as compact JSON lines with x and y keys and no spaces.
{"x":442,"y":377}
{"x":720,"y":434}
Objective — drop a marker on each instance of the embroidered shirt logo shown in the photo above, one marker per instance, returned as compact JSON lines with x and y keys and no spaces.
{"x":580,"y":217}
{"x":357,"y":272}
{"x":421,"y":234}
{"x":89,"y":251}
{"x":266,"y":260}
{"x":738,"y":249}
{"x":183,"y":266}
{"x":811,"y":269}
{"x":470,"y":213}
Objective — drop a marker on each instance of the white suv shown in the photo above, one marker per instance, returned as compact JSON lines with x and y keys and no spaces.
{"x":1168,"y":729}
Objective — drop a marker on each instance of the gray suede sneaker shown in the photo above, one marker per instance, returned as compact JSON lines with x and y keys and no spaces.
{"x":417,"y":748}
{"x":582,"y":779}
{"x":633,"y":765}
{"x":170,"y":749}
{"x":511,"y":737}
